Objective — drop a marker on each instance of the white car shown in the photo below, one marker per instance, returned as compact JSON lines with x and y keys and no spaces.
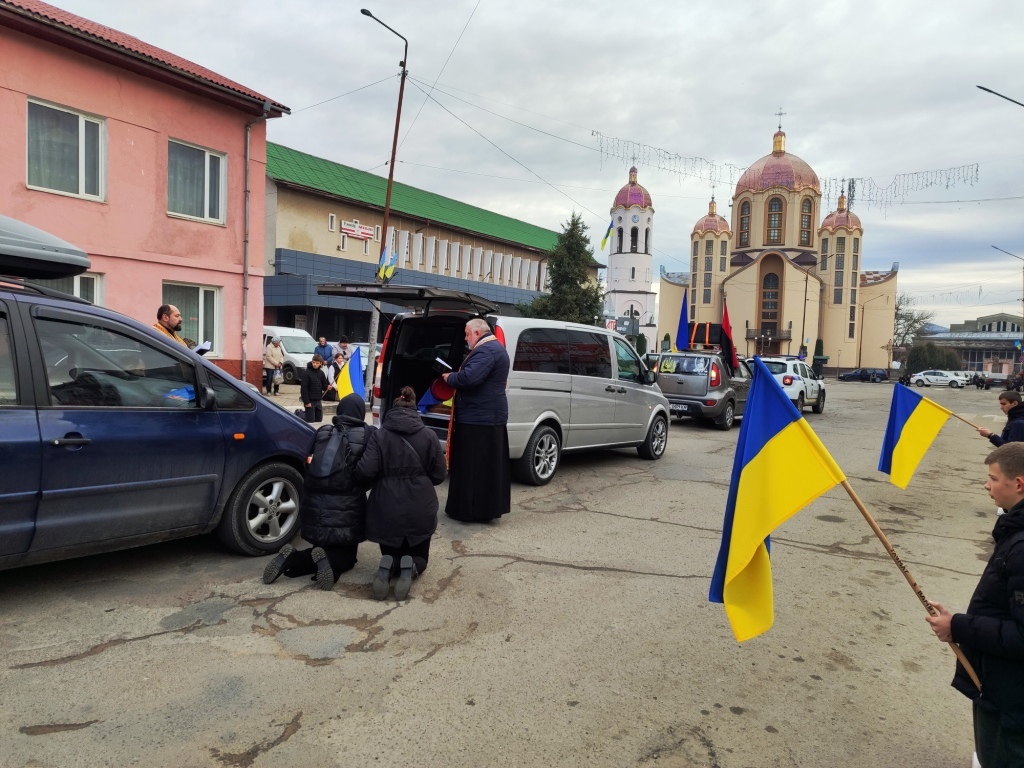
{"x":798,"y":381}
{"x":937,"y":379}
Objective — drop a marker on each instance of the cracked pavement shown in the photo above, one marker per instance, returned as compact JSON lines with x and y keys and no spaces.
{"x":576,"y":631}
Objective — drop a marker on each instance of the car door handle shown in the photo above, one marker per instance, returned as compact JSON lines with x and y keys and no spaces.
{"x":63,"y":442}
{"x":620,"y":390}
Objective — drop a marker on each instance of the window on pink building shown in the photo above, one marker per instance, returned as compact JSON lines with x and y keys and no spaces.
{"x":66,"y":151}
{"x":195,"y":182}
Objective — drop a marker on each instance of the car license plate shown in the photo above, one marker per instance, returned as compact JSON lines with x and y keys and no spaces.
{"x":677,"y":408}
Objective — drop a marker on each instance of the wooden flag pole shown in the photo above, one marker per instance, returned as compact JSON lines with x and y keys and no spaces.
{"x":907,"y":575}
{"x":965,"y":421}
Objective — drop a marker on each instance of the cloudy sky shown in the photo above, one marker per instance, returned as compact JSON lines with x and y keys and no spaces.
{"x":524,"y":95}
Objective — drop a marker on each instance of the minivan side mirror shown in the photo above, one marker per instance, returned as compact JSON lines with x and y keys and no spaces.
{"x":650,"y":377}
{"x":207,"y":399}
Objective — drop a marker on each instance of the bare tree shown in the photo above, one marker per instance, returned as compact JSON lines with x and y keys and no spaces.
{"x":909,"y":321}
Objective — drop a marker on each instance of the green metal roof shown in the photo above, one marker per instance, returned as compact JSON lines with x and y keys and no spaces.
{"x":293,"y":167}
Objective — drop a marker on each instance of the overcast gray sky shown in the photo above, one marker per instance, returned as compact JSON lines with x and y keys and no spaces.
{"x":870,"y":90}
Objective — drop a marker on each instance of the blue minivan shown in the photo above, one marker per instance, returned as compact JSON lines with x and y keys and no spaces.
{"x":114,"y":436}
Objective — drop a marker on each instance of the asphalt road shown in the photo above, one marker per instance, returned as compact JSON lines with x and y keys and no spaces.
{"x":576,"y":631}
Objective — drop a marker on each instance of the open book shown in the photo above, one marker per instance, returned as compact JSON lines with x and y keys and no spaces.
{"x":441,"y":366}
{"x":202,"y":349}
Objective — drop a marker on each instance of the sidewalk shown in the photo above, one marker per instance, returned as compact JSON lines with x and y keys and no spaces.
{"x":290,"y":400}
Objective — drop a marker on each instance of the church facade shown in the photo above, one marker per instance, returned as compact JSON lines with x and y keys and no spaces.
{"x":788,"y":275}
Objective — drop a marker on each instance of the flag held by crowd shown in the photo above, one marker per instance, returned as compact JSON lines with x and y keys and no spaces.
{"x":780,"y":467}
{"x":683,"y":331}
{"x":914,"y":422}
{"x":350,"y":377}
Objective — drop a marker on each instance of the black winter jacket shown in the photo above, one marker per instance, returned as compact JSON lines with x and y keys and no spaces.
{"x":333,"y":508}
{"x":991,"y":633}
{"x":312,"y":384}
{"x":480,"y":384}
{"x":1013,"y":432}
{"x":403,"y":502}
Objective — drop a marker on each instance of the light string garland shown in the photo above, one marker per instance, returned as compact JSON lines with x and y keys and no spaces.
{"x":864,"y":190}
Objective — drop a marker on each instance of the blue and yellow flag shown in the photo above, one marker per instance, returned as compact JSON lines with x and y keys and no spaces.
{"x":350,"y":378}
{"x":386,"y":265}
{"x":604,"y":240}
{"x":914,"y":422}
{"x":683,"y":329}
{"x":780,"y":467}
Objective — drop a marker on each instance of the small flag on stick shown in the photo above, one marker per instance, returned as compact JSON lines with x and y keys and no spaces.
{"x":914,"y":422}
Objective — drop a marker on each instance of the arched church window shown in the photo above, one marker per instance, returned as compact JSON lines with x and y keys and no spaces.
{"x":770,"y":300}
{"x":647,"y":240}
{"x":744,"y":223}
{"x":620,"y":240}
{"x":633,"y":236}
{"x":774,"y":230}
{"x":806,"y":209}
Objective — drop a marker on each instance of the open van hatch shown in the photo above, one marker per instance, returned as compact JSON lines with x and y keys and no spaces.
{"x":424,"y":297}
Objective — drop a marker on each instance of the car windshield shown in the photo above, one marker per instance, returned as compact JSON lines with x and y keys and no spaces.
{"x":298,"y":345}
{"x":774,"y":367}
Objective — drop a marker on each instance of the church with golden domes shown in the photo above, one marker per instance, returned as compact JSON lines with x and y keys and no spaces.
{"x":788,"y":275}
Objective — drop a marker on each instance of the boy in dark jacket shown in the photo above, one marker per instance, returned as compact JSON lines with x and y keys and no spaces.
{"x":312,"y":385}
{"x":991,"y":633}
{"x":333,"y":512}
{"x":404,"y":461}
{"x":1013,"y":432}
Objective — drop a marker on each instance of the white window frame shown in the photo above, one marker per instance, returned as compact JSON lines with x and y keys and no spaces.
{"x":343,"y":246}
{"x":366,"y":247}
{"x":332,"y":222}
{"x":222,"y":186}
{"x":376,"y":233}
{"x":83,"y":118}
{"x":217,"y":342}
{"x":76,"y":290}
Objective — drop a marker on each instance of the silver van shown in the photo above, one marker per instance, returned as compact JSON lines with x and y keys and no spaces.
{"x":571,"y":387}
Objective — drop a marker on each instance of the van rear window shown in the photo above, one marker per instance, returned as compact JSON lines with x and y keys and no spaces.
{"x":542,"y":350}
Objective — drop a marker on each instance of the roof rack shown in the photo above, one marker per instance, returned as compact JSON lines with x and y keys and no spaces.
{"x":41,"y":290}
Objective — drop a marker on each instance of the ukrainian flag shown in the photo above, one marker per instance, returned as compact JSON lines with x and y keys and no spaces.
{"x":780,"y":467}
{"x":386,"y":266}
{"x":604,"y":240}
{"x":350,"y":377}
{"x":683,"y":329}
{"x":914,"y":422}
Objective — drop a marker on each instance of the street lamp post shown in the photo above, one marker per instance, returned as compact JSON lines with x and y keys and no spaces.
{"x":860,"y":345}
{"x":995,"y":93}
{"x":375,"y":313}
{"x":1021,"y":258}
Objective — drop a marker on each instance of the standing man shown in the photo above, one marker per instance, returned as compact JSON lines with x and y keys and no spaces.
{"x":1013,"y":432}
{"x":312,"y":385}
{"x":273,"y":361}
{"x":991,"y":633}
{"x":480,"y":483}
{"x":168,"y":322}
{"x":323,"y":349}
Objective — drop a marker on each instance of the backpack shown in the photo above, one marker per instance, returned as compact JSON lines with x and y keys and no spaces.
{"x":335,"y":450}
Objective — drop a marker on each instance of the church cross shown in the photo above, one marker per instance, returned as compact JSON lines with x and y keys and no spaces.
{"x":780,"y":115}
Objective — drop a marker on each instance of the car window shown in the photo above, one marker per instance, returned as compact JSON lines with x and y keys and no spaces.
{"x":229,"y":398}
{"x":774,"y":367}
{"x":542,"y":350}
{"x":743,"y":372}
{"x":94,"y":366}
{"x":589,"y":354}
{"x":628,"y":362}
{"x":8,"y":382}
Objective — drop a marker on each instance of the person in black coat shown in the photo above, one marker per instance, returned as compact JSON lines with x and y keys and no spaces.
{"x":991,"y":633}
{"x":403,"y":460}
{"x":312,"y":385}
{"x":1013,"y":432}
{"x":333,"y":511}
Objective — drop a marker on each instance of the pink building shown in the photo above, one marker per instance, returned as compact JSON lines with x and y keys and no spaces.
{"x":142,"y":159}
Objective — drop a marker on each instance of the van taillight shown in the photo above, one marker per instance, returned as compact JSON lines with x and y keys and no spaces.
{"x":716,"y":375}
{"x":380,"y":360}
{"x":787,"y":380}
{"x":499,"y":334}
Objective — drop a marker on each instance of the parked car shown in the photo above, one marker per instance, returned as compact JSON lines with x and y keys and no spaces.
{"x":865,"y":374}
{"x":701,"y":385}
{"x":798,"y":381}
{"x":571,"y":387}
{"x":298,"y":349}
{"x":112,"y":435}
{"x":936,"y":379}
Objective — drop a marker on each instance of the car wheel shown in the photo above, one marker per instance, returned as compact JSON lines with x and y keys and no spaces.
{"x":920,"y":382}
{"x":653,"y":447}
{"x":800,"y":402}
{"x":728,"y":417}
{"x":819,"y":404}
{"x":263,"y":511}
{"x":540,"y":459}
{"x":953,"y":385}
{"x":874,"y":379}
{"x":289,"y":375}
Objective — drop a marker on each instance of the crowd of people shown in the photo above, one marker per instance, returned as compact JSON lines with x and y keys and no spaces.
{"x":399,"y":465}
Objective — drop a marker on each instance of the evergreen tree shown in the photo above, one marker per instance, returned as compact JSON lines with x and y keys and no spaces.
{"x":570,"y":294}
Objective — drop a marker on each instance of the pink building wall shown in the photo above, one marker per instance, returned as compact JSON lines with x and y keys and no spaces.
{"x":131,"y":239}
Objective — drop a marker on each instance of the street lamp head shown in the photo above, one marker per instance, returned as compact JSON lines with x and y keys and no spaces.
{"x":365,"y":12}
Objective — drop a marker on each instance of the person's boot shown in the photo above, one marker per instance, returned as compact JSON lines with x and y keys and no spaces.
{"x":405,"y":577}
{"x":382,"y":580}
{"x":324,"y":572}
{"x":277,"y":565}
